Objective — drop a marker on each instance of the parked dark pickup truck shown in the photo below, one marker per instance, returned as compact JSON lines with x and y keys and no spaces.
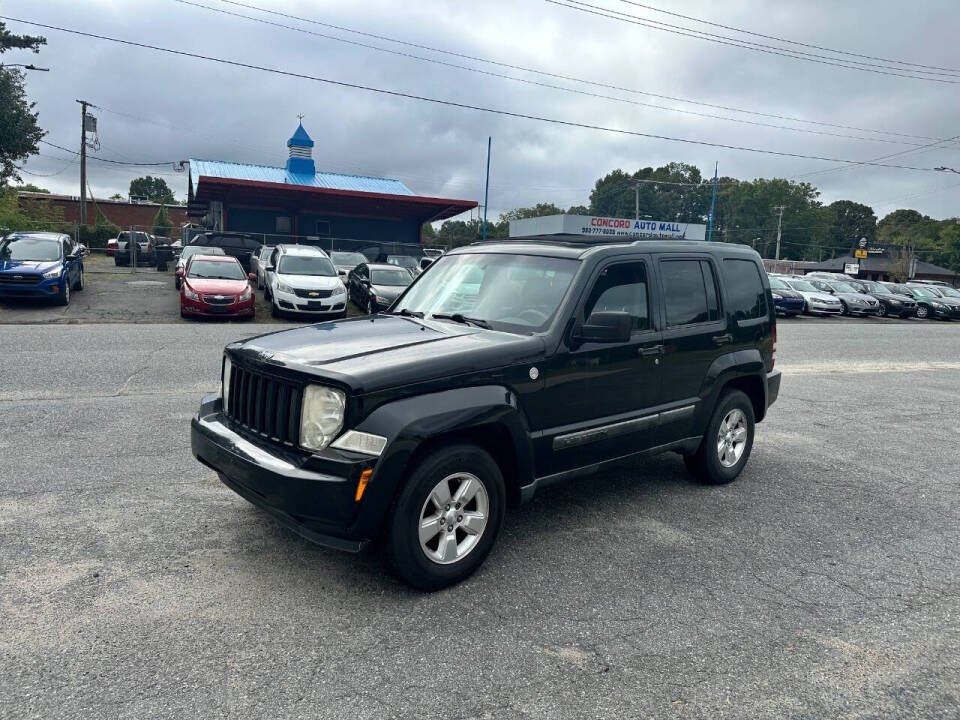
{"x":507,"y":367}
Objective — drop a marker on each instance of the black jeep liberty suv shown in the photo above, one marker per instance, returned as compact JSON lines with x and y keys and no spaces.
{"x":503,"y":368}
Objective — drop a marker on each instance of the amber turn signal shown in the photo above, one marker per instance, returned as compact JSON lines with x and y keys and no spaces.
{"x":362,"y":485}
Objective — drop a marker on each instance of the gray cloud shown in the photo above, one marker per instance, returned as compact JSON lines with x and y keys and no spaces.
{"x":188,"y":108}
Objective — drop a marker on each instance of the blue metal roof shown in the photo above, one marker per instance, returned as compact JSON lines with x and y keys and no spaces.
{"x":269,"y":174}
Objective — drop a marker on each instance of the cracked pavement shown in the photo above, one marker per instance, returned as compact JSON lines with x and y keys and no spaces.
{"x":825,"y":582}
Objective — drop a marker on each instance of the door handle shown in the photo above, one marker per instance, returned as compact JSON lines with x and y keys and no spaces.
{"x":651,"y":351}
{"x":719,"y":340}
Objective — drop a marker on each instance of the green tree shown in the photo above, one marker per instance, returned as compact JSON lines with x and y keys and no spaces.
{"x":538,"y":210}
{"x":850,"y":222}
{"x":116,"y":196}
{"x":896,"y":224}
{"x":31,"y":188}
{"x":578,"y":210}
{"x":152,"y":189}
{"x":19,"y":130}
{"x":162,"y":224}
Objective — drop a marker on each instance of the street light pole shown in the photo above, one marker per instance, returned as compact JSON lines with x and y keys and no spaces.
{"x":83,"y":161}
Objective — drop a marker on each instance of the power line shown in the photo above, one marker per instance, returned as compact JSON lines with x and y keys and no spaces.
{"x":784,"y":40}
{"x":525,"y":81}
{"x":451,"y":103}
{"x":558,"y":76}
{"x":107,"y":160}
{"x":744,"y":44}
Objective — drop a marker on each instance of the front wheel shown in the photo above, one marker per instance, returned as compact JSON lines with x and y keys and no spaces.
{"x":79,"y":284}
{"x":923,"y":312}
{"x":447,"y":517}
{"x":63,"y":297}
{"x":371,"y":307}
{"x":882,"y":310}
{"x":726,"y":445}
{"x":274,"y":310}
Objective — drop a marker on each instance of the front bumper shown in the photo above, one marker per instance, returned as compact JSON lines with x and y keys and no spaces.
{"x":863,"y":309}
{"x":45,"y":288}
{"x":243,"y":309}
{"x":311,"y":495}
{"x":788,"y":305}
{"x":823,"y":309}
{"x":330,"y":306}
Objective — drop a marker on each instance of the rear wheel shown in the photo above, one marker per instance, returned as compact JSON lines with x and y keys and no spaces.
{"x":726,"y":445}
{"x":447,"y":517}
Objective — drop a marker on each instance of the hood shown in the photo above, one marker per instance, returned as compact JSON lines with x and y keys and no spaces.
{"x":857,"y":298}
{"x":898,"y":297}
{"x":786,"y":293}
{"x":952,"y":302}
{"x":821,"y":296}
{"x":217,"y":287}
{"x":374,"y":353}
{"x":40,"y":266}
{"x":309,"y":282}
{"x":388,"y":291}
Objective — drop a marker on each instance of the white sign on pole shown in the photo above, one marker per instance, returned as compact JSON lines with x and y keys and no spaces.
{"x":851,"y":268}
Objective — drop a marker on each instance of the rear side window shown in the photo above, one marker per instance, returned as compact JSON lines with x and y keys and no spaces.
{"x":746,"y":298}
{"x":689,"y":292}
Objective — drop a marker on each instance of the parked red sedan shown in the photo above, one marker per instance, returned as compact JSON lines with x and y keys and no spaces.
{"x":215,"y":285}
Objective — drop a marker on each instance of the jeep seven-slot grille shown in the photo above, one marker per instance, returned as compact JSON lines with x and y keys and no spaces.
{"x":265,"y":405}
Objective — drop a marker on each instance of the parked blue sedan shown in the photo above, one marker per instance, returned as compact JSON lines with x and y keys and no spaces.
{"x":40,"y":265}
{"x":785,"y":299}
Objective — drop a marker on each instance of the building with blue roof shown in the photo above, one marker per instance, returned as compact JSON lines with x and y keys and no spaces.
{"x":296,"y":202}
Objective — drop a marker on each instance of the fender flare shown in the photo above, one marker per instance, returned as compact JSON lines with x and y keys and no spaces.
{"x":410,"y":423}
{"x":727,"y":367}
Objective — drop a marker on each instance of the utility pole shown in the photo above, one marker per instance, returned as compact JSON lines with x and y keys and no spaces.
{"x":486,"y":189}
{"x":83,"y":161}
{"x":779,"y":226}
{"x":636,"y":200}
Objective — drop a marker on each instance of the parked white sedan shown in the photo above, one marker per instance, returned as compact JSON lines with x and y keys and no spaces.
{"x":815,"y":302}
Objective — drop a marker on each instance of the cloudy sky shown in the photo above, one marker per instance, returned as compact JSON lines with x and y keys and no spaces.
{"x":157,"y":107}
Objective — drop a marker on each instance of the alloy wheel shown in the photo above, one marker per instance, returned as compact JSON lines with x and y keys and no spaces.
{"x":922,"y":311}
{"x":732,"y":438}
{"x":453,"y":518}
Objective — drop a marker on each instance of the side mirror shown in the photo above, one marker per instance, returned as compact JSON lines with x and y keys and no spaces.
{"x":178,"y":272}
{"x":342,"y":272}
{"x":269,"y":267}
{"x":251,"y":276}
{"x":73,"y":256}
{"x":605,"y":327}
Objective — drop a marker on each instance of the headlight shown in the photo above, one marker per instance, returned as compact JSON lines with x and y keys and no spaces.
{"x":777,"y":296}
{"x":340,"y":289}
{"x":321,"y":417}
{"x":283,"y":287}
{"x":225,"y":381}
{"x":246,"y":294}
{"x":939,"y":306}
{"x":189,"y":293}
{"x":55,"y":273}
{"x":893,"y":301}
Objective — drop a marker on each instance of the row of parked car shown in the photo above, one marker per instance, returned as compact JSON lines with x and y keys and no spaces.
{"x":213,"y":278}
{"x":823,"y":293}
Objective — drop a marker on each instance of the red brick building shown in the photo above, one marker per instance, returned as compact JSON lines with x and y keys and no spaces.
{"x":66,"y":208}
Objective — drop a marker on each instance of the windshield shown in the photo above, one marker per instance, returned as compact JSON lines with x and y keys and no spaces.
{"x":778,"y":284}
{"x":348,"y":258}
{"x":844,"y":288}
{"x":197,"y":250}
{"x":30,"y":249}
{"x":317,"y":265}
{"x":879,"y":289}
{"x":802,"y":286}
{"x":515,"y":293}
{"x":949,"y":292}
{"x":216,"y":270}
{"x":924,"y":292}
{"x":402,"y":261}
{"x":394,"y":278}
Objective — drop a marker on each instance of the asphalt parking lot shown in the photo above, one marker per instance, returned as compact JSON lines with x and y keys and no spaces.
{"x":119,"y":295}
{"x":825,"y":582}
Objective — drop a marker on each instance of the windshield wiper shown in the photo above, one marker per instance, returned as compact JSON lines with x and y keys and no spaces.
{"x":409,"y":313}
{"x":457,"y":317}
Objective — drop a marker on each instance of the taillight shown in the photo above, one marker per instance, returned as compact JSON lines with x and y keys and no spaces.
{"x":773,"y":355}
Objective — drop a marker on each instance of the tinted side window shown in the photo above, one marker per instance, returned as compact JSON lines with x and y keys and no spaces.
{"x":621,"y":288}
{"x":745,"y":294}
{"x":685,"y":292}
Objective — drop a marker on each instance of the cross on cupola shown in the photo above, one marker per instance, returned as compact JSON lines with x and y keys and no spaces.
{"x":300,"y":161}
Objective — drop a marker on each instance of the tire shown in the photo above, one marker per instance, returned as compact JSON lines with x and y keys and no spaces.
{"x":267,"y":295}
{"x":705,"y":464}
{"x":275,"y":311}
{"x":177,"y":282}
{"x":183,"y":314}
{"x":63,"y":297}
{"x":923,"y":312}
{"x":882,"y":310}
{"x":371,"y":307}
{"x":846,"y":310}
{"x":78,"y":285}
{"x":454,"y":467}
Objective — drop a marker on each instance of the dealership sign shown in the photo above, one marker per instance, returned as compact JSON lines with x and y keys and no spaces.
{"x":594,"y":225}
